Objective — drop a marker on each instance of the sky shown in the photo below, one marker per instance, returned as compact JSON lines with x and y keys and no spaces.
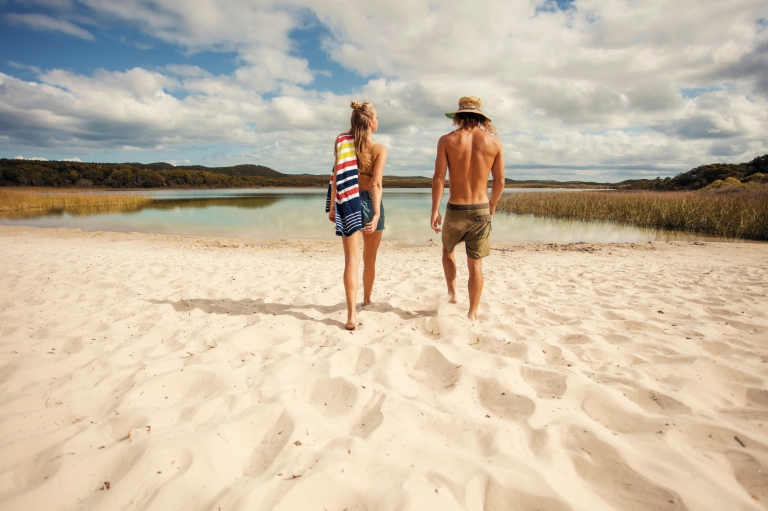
{"x":596,"y":90}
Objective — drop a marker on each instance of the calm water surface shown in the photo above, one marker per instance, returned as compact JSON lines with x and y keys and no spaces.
{"x":300,"y":214}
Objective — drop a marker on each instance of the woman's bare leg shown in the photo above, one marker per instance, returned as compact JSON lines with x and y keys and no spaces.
{"x":370,"y":249}
{"x":351,"y":266}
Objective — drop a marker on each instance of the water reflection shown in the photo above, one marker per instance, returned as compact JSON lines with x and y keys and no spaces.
{"x":299,"y":214}
{"x":242,"y":202}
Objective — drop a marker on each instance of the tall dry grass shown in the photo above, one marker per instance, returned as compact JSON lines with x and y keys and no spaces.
{"x":23,"y":202}
{"x":739,"y":215}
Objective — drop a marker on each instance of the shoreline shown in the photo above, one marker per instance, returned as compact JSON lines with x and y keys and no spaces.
{"x":199,"y":373}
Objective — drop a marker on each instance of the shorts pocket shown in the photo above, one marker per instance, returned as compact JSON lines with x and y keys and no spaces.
{"x":482,"y":218}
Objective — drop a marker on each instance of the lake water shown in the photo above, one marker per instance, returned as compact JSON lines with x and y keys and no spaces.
{"x":300,"y":214}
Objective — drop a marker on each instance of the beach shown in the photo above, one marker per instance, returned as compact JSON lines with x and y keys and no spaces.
{"x":144,"y":371}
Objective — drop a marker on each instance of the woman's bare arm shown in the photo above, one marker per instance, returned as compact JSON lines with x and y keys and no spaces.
{"x":380,"y":160}
{"x":332,"y":207}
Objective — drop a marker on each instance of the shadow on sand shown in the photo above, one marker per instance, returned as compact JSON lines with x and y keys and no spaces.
{"x":246,"y":307}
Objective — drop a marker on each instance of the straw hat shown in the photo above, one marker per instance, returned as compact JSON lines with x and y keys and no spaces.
{"x":470,"y":105}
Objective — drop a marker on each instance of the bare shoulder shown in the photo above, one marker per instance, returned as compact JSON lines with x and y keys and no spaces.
{"x":492,"y":140}
{"x":445,"y":139}
{"x":380,"y":149}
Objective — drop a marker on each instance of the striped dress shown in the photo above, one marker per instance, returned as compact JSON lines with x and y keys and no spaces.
{"x":349,"y":215}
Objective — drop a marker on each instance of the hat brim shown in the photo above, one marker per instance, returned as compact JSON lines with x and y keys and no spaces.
{"x":451,"y":115}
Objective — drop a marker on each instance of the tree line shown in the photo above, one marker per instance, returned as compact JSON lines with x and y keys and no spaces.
{"x":137,"y":175}
{"x":164,"y":175}
{"x":161,"y":175}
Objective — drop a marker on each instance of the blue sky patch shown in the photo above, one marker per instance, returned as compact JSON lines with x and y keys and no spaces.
{"x":115,"y":48}
{"x":329,"y":75}
{"x":695,"y":92}
{"x":555,"y":5}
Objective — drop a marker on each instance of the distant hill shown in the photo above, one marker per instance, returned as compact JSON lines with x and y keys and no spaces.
{"x":704,"y":175}
{"x":145,"y":175}
{"x":165,"y":175}
{"x":550,"y":183}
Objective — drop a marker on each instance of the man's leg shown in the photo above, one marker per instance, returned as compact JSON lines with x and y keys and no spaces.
{"x":475,"y":285}
{"x":370,"y":249}
{"x":351,"y":266}
{"x":449,"y":267}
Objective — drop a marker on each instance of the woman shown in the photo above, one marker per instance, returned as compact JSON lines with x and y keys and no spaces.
{"x":356,"y":206}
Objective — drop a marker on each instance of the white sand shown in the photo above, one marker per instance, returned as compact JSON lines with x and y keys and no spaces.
{"x":194,"y":373}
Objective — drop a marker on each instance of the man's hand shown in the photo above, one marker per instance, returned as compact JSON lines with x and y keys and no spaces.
{"x":436,"y":221}
{"x":332,"y":215}
{"x":370,"y":227}
{"x":493,"y":207}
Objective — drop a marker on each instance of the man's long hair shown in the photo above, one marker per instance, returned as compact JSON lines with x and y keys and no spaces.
{"x":468,"y":121}
{"x":362,"y":115}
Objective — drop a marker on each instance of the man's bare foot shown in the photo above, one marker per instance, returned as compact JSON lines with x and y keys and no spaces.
{"x":367,"y":302}
{"x":452,"y":298}
{"x":472,"y":316}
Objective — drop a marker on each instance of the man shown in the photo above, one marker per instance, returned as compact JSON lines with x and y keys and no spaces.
{"x":469,"y":154}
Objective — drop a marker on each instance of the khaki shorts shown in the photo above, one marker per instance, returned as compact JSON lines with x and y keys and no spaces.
{"x":470,"y":223}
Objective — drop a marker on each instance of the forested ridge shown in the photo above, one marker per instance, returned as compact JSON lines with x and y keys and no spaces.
{"x":754,"y":171}
{"x":161,"y":175}
{"x":139,"y":175}
{"x":164,"y":175}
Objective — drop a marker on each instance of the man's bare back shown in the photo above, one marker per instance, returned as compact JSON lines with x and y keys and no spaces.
{"x":470,"y":156}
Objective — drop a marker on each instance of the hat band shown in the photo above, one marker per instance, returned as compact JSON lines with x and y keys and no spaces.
{"x":470,"y":108}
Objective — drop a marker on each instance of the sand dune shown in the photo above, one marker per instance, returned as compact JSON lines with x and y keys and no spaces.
{"x":152,"y":372}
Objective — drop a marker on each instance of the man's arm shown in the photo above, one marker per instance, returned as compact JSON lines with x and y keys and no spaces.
{"x":497,"y":171}
{"x":438,"y":185}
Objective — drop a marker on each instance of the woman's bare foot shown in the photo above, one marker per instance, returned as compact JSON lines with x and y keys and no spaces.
{"x":366,"y":302}
{"x":351,"y":324}
{"x":452,"y":298}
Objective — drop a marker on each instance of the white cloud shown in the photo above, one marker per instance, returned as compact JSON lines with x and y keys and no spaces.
{"x":43,"y":22}
{"x":33,"y":158}
{"x":34,"y":69}
{"x":601,"y":89}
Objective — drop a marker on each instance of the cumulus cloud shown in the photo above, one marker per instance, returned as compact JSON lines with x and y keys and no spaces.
{"x":591,"y":88}
{"x":43,"y":22}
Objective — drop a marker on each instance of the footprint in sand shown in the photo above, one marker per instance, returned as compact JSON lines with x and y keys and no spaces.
{"x":751,"y":475}
{"x":601,"y":466}
{"x":502,"y":402}
{"x":333,"y":396}
{"x":72,"y":345}
{"x":365,"y":360}
{"x":575,"y":339}
{"x":270,"y":447}
{"x":371,"y":419}
{"x":616,"y":338}
{"x":656,"y":402}
{"x":435,"y":371}
{"x":757,"y":398}
{"x":547,"y":384}
{"x":503,"y":498}
{"x":603,"y":408}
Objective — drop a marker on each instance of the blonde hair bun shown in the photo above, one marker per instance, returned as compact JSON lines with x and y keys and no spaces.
{"x":356,"y":105}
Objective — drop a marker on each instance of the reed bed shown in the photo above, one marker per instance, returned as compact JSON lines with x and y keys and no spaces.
{"x":17,"y":203}
{"x":741,"y":215}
